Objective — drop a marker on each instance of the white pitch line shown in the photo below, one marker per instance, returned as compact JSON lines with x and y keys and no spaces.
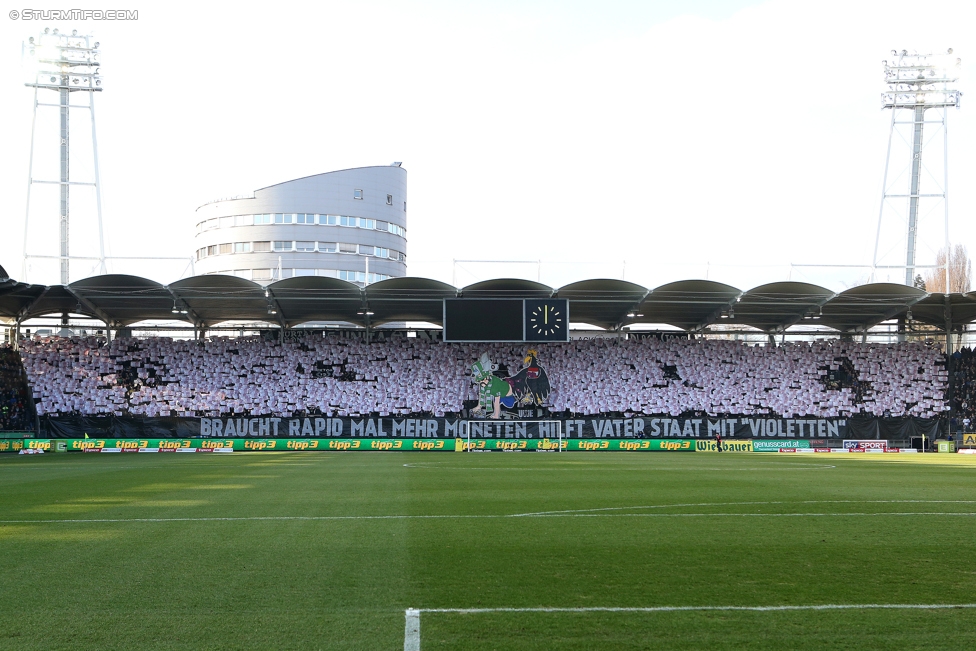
{"x":673,"y":609}
{"x":411,"y":633}
{"x":668,"y":506}
{"x":312,"y":518}
{"x":411,"y":637}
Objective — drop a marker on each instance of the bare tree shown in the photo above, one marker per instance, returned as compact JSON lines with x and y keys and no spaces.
{"x":960,"y":271}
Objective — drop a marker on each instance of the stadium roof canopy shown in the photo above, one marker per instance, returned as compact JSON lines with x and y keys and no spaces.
{"x":689,"y":305}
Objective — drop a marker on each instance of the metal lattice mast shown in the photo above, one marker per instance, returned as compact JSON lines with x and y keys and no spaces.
{"x":66,"y":64}
{"x":915,"y":83}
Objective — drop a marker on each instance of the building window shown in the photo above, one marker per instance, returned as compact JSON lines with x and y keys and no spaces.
{"x":212,"y":250}
{"x":281,"y":246}
{"x":262,"y":219}
{"x":357,"y":194}
{"x":245,"y":220}
{"x":366,"y":250}
{"x":327,"y":247}
{"x":305,"y":246}
{"x":304,"y":272}
{"x":262,"y":247}
{"x":226,"y":248}
{"x":347,"y":248}
{"x":389,"y":199}
{"x":261,"y":274}
{"x":242,"y":247}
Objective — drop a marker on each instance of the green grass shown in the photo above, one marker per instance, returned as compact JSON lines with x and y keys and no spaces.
{"x":345,"y":583}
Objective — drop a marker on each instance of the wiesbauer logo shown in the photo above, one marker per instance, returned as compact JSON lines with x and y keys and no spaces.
{"x":74,"y":14}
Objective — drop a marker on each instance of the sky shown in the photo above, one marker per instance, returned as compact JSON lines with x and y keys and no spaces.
{"x":742,"y":142}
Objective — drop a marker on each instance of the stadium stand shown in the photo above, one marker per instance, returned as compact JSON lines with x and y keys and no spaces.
{"x":14,"y":405}
{"x":964,"y":385}
{"x":345,"y":376}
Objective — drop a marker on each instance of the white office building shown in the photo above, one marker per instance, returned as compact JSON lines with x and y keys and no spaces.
{"x":350,"y":224}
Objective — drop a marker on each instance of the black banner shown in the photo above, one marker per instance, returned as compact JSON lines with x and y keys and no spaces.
{"x":591,"y":427}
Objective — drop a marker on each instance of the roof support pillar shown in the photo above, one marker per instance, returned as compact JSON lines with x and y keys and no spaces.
{"x":948,"y":323}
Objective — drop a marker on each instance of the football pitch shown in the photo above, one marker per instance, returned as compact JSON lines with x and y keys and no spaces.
{"x":437,"y":551}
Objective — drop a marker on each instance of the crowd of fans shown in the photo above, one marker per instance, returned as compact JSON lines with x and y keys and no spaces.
{"x":341,"y":375}
{"x":13,"y":392}
{"x":964,"y":387}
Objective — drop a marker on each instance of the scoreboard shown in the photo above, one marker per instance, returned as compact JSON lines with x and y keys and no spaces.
{"x":506,"y":319}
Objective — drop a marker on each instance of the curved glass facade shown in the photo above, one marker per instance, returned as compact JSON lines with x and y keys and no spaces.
{"x":348,"y":224}
{"x":308,"y":219}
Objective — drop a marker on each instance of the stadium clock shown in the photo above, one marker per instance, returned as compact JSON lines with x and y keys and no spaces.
{"x":547,"y":320}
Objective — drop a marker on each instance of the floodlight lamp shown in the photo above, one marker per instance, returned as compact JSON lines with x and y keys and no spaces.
{"x":47,"y":30}
{"x":74,"y":32}
{"x":631,"y":315}
{"x":949,"y":51}
{"x":31,"y":41}
{"x":96,"y":44}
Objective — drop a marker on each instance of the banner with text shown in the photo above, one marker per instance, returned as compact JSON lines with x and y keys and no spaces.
{"x":590,"y":427}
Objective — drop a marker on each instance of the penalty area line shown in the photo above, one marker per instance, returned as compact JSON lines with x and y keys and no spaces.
{"x":411,"y":637}
{"x":672,"y":609}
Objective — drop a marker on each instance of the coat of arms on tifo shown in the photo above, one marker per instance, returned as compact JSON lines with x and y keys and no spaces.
{"x":527,"y":388}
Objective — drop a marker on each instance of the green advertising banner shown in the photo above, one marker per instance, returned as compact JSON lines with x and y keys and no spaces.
{"x":247,"y":445}
{"x":11,"y":445}
{"x":364,"y":444}
{"x":728,"y":445}
{"x":576,"y":445}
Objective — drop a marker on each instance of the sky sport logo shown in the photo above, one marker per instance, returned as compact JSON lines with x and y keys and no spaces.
{"x":74,"y":14}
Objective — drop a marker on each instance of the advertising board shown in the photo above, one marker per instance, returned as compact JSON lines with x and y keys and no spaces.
{"x":728,"y":445}
{"x":777,"y":446}
{"x":371,"y":444}
{"x":865,"y":445}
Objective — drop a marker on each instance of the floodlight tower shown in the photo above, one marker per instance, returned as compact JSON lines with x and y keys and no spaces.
{"x":916,"y":83}
{"x":65,"y":64}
